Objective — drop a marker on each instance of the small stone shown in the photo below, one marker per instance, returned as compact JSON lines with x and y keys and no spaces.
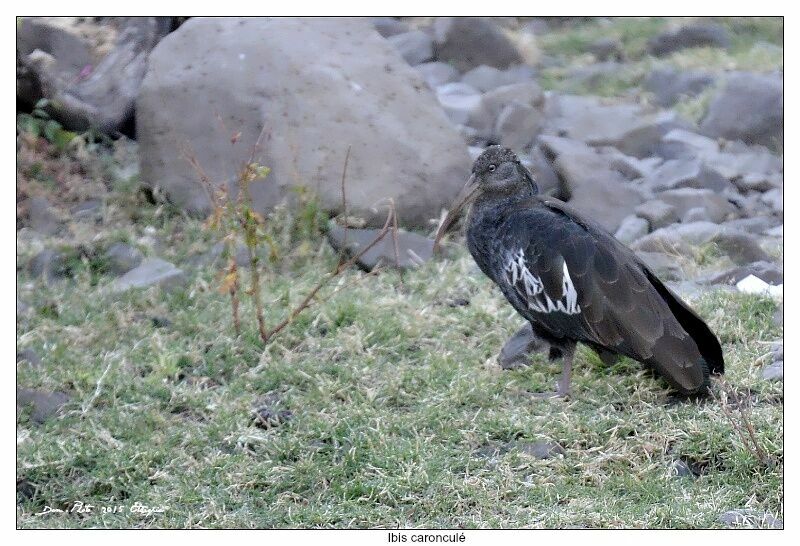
{"x":696,"y":214}
{"x":670,"y":85}
{"x":606,"y":49}
{"x":519,"y":347}
{"x":413,"y":250}
{"x":541,"y":450}
{"x":484,"y":78}
{"x":773,"y":372}
{"x":49,"y":264}
{"x":664,"y":266}
{"x":267,"y":417}
{"x":698,"y":35}
{"x":415,"y":47}
{"x":436,"y":73}
{"x":459,"y":100}
{"x":518,"y":125}
{"x":681,"y":469}
{"x":468,"y":42}
{"x":766,"y":271}
{"x":774,"y":198}
{"x":151,"y":272}
{"x":631,"y":229}
{"x":746,"y":516}
{"x":777,"y":317}
{"x":680,"y":173}
{"x":22,"y":307}
{"x":753,"y":285}
{"x":42,"y":404}
{"x":389,"y":26}
{"x":657,"y":213}
{"x":683,"y":199}
{"x":29,"y":356}
{"x":41,"y":217}
{"x":123,"y":257}
{"x":87,"y":209}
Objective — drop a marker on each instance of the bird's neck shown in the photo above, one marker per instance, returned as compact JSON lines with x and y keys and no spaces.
{"x":489,"y":206}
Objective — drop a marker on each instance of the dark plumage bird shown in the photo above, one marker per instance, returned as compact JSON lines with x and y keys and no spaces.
{"x":574,"y":282}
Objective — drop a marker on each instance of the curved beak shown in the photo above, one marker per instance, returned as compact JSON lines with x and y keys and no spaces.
{"x":468,"y":193}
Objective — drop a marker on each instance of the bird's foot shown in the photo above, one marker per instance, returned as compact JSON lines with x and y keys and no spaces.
{"x":551,"y":394}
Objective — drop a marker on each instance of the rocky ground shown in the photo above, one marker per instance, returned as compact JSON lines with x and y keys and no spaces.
{"x":385,"y":402}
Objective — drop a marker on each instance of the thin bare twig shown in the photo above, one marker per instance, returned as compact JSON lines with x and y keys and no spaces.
{"x":344,"y":205}
{"x":339,"y":268}
{"x":749,"y":441}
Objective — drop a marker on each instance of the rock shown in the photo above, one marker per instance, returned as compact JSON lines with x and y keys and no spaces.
{"x":41,"y":217}
{"x":541,"y":450}
{"x":766,"y":271}
{"x":50,"y":264}
{"x":89,"y":209}
{"x":123,"y":257}
{"x":777,"y":231}
{"x":756,"y":224}
{"x":683,"y":199}
{"x":777,"y":351}
{"x":468,"y":42}
{"x":753,"y":285}
{"x":696,"y":214}
{"x":742,"y":248}
{"x":517,"y":125}
{"x":664,"y":266}
{"x":460,"y":101}
{"x":42,"y":404}
{"x":543,"y":172}
{"x":267,"y":417}
{"x":657,"y":213}
{"x":29,"y":356}
{"x":773,"y":372}
{"x":605,"y":49}
{"x":436,"y":74}
{"x":749,"y":108}
{"x":670,"y":85}
{"x":746,"y":516}
{"x":777,"y":316}
{"x":690,"y":290}
{"x":389,"y":26}
{"x":774,"y":199}
{"x":588,"y":182}
{"x":150,"y":272}
{"x":89,"y":93}
{"x":22,"y":308}
{"x":413,"y":250}
{"x":631,"y":229}
{"x":319,"y":86}
{"x":485,"y":78}
{"x":631,"y":167}
{"x":681,"y":469}
{"x":416,"y":47}
{"x":519,"y":347}
{"x":494,"y":102}
{"x":628,"y":127}
{"x":681,"y":173}
{"x":590,"y":77}
{"x":697,"y":35}
{"x":758,"y":182}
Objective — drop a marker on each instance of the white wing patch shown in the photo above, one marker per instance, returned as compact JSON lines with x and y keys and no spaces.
{"x":532,"y":288}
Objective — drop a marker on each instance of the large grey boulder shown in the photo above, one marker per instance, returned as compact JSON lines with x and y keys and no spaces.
{"x":314,"y":87}
{"x":468,"y":42}
{"x":749,"y":108}
{"x":56,"y":62}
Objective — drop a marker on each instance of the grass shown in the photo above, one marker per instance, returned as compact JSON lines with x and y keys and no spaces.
{"x":392,"y":393}
{"x":756,"y":45}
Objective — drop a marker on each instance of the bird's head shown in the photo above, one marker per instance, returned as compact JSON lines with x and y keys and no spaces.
{"x":496,"y":173}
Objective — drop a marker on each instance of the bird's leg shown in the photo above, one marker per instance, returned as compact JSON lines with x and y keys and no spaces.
{"x":568,"y":352}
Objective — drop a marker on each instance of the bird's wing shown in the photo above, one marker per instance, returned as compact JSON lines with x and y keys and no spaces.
{"x":577,"y":281}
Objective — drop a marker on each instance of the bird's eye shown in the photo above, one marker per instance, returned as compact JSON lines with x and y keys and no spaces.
{"x":492,"y":168}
